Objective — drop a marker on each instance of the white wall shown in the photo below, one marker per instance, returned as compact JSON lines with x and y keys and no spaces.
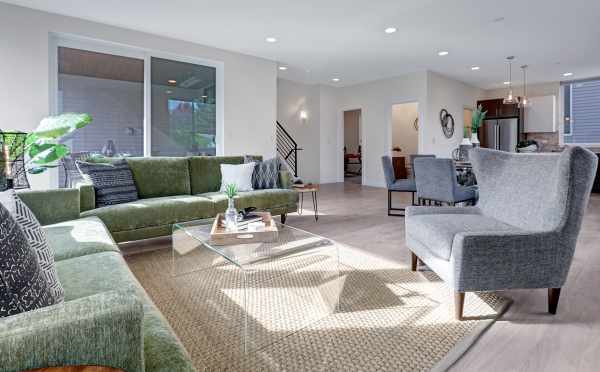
{"x":292,"y":98}
{"x":250,"y":88}
{"x":331,"y":155}
{"x":375,"y":99}
{"x":404,"y":134}
{"x":454,"y":96}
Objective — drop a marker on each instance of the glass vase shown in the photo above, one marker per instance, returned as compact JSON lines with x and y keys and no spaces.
{"x":231,"y":217}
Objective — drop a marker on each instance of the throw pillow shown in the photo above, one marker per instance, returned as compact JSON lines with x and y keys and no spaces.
{"x":266,"y":174}
{"x":22,"y":284}
{"x":36,"y":237}
{"x":238,"y":174}
{"x":113,"y":183}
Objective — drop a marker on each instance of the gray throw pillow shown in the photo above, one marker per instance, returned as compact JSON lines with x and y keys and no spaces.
{"x":36,"y":237}
{"x":23,"y":286}
{"x":266,"y":173}
{"x":113,"y":183}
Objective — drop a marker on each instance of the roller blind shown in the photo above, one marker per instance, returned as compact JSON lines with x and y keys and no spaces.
{"x":585,"y":112}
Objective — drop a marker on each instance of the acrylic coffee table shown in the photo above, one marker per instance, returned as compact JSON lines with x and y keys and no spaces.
{"x":262,"y":292}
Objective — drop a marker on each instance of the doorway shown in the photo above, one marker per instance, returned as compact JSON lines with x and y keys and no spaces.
{"x":352,"y":147}
{"x":405,"y":136}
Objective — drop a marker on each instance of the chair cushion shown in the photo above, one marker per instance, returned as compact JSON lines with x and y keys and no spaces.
{"x":261,"y":199}
{"x":464,"y":193}
{"x":153,"y":212}
{"x":437,"y":231}
{"x":160,"y":176}
{"x":403,"y":185}
{"x":79,"y":238}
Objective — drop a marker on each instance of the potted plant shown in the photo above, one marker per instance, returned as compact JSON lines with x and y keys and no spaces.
{"x":476,"y":121}
{"x":231,"y":213}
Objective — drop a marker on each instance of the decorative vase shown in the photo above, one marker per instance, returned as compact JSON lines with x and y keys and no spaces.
{"x":231,"y":222}
{"x":109,"y":150}
{"x":474,"y":139}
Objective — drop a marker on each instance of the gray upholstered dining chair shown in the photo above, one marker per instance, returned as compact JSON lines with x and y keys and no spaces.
{"x":436,"y":181}
{"x":522,"y":233}
{"x":399,"y":185}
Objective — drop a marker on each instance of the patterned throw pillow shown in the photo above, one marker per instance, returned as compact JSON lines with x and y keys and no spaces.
{"x":23,"y":286}
{"x":113,"y":183}
{"x":36,"y":237}
{"x":266,"y":173}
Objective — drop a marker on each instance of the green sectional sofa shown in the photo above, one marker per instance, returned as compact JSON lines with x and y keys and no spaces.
{"x":107,"y":318}
{"x":180,"y":189}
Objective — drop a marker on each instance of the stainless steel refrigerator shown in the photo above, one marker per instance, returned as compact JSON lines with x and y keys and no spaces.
{"x":502,"y":134}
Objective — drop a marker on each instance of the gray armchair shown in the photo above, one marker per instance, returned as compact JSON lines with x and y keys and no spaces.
{"x":523,"y":232}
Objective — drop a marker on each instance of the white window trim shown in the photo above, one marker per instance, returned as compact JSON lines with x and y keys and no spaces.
{"x":57,"y":40}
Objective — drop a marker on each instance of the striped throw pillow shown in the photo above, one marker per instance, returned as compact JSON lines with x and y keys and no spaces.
{"x":113,"y":183}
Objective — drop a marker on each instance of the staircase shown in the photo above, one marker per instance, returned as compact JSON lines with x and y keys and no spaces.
{"x":287,"y":148}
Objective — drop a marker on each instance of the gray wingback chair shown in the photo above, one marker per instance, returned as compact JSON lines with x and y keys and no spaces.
{"x":436,"y":180}
{"x":522,"y":233}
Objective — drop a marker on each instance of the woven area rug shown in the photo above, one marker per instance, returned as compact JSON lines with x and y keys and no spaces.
{"x":315,"y":311}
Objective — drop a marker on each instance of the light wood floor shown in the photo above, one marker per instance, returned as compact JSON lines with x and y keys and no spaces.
{"x":526,"y":338}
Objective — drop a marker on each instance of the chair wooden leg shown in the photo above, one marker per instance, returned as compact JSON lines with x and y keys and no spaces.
{"x":283,"y":218}
{"x":459,"y":304}
{"x":553,"y":296}
{"x":414,"y":261}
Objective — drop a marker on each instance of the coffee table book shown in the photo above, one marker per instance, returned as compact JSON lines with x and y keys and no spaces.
{"x":220,"y":236}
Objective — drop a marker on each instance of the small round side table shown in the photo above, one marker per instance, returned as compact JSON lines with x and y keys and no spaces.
{"x":313,"y":190}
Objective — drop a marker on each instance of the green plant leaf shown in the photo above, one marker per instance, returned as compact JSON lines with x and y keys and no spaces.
{"x":58,"y":126}
{"x":50,"y":155}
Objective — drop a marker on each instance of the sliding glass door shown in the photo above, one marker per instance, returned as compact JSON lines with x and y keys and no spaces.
{"x":183,"y":108}
{"x":142,"y":103}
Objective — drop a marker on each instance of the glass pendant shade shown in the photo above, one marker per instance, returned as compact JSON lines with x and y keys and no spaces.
{"x":524,"y":102}
{"x":510,"y":99}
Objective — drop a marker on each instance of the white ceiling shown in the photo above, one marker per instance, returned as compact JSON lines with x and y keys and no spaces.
{"x":322,"y":39}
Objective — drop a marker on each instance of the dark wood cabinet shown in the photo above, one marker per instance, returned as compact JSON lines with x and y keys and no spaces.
{"x":491,"y":106}
{"x":399,"y":163}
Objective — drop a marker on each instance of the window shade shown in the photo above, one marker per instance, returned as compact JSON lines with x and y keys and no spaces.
{"x":585,"y":112}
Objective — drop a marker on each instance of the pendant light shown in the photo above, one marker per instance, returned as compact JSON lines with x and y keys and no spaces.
{"x":524,"y":102}
{"x":510,"y":99}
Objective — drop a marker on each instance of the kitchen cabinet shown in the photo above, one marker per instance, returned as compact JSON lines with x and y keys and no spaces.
{"x":540,"y":117}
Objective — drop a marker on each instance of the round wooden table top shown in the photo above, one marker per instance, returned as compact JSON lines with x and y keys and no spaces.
{"x":306,"y":188}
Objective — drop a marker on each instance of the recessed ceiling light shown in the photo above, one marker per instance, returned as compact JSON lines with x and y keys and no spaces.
{"x":390,"y":30}
{"x":282,"y":68}
{"x":335,"y":80}
{"x":568,"y":74}
{"x":271,"y":39}
{"x":171,"y":81}
{"x":443,"y":53}
{"x":506,"y":82}
{"x":475,"y":68}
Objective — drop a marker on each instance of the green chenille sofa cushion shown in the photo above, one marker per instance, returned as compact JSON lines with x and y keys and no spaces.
{"x":160,"y":176}
{"x":96,"y":273}
{"x":205,"y":172}
{"x":262,"y":199}
{"x":78,"y":238}
{"x":153,"y":212}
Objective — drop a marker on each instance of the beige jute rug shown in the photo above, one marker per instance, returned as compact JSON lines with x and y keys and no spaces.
{"x":319,"y":310}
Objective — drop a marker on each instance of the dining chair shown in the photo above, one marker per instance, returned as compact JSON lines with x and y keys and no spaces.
{"x":436,"y":182}
{"x":398,"y":185}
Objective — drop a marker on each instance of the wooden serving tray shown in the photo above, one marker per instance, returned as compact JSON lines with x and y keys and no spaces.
{"x":219,"y":236}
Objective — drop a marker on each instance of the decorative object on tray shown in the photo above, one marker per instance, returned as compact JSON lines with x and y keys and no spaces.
{"x":447,"y":122}
{"x":476,"y":120}
{"x":263,"y":230}
{"x":238,"y":174}
{"x":231,"y":215}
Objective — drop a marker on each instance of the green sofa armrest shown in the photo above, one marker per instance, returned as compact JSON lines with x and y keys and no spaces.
{"x":103,"y":330}
{"x":52,"y":206}
{"x":87,"y":196}
{"x":285,"y":179}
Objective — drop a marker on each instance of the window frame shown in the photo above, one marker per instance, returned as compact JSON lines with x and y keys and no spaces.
{"x":57,"y":40}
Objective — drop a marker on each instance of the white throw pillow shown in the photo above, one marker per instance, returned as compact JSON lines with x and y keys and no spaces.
{"x":36,"y":238}
{"x":239,"y":174}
